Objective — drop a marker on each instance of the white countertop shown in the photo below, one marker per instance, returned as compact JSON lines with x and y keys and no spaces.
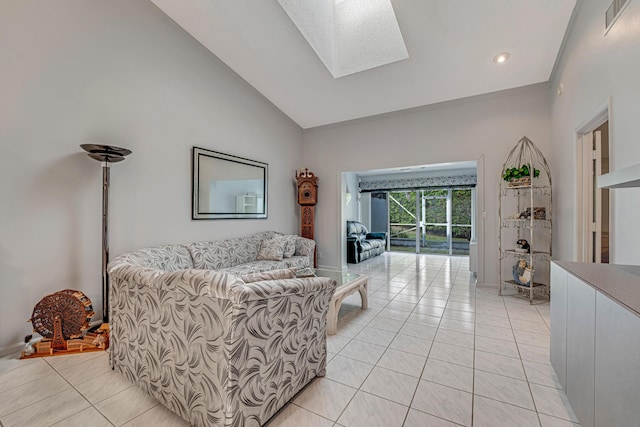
{"x":621,"y":283}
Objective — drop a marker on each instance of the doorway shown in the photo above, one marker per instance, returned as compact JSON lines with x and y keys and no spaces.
{"x":593,"y":213}
{"x":431,"y":221}
{"x":374,"y":186}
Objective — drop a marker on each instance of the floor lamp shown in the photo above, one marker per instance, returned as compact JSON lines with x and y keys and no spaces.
{"x":106,"y":154}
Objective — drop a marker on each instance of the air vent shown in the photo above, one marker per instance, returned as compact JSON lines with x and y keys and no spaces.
{"x":614,"y":11}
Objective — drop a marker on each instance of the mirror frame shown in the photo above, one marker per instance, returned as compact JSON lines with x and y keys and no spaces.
{"x":197,"y":154}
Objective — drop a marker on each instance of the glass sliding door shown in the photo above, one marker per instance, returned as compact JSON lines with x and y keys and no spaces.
{"x":435,"y":224}
{"x":434,"y":221}
{"x":461,"y":220}
{"x":402,"y":221}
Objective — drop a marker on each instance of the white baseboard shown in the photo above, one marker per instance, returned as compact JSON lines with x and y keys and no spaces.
{"x":332,"y":268}
{"x":487,"y":285}
{"x":12,"y":350}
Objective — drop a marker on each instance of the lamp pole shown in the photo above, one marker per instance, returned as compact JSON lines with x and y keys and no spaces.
{"x":105,"y":154}
{"x":106,"y":168}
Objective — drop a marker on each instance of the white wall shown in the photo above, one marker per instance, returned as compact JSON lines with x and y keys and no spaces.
{"x":365,"y":209}
{"x":351,"y":209}
{"x":117,"y":72}
{"x":593,"y":69}
{"x":483,"y":128}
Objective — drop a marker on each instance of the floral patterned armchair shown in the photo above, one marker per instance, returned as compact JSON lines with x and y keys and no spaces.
{"x":215,"y":350}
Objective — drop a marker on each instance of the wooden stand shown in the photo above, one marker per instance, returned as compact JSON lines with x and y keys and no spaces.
{"x":58,"y":345}
{"x":58,"y":342}
{"x":307,"y":220}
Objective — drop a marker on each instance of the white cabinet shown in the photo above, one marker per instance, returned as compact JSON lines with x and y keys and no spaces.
{"x":247,"y":203}
{"x":559,"y":323}
{"x":617,"y":365}
{"x":581,"y":324}
{"x":595,"y":341}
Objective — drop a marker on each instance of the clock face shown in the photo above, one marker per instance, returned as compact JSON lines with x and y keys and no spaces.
{"x":306,"y":194}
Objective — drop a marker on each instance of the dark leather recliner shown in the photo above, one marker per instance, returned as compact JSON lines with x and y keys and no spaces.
{"x":361,"y":244}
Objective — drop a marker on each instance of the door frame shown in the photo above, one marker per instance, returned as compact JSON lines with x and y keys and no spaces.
{"x":584,"y":134}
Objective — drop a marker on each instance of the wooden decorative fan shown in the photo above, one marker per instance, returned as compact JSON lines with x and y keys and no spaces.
{"x":71,"y":310}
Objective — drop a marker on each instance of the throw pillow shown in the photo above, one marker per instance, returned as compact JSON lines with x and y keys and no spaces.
{"x":271,"y":249}
{"x":288,"y":273}
{"x":290,"y":246}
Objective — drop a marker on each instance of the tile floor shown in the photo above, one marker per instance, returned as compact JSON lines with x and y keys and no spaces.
{"x":433,"y":349}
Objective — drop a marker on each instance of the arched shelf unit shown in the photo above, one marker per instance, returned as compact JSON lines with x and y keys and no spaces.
{"x":524,"y":213}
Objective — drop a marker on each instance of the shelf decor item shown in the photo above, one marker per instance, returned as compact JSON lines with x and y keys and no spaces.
{"x":62,"y":319}
{"x":524,"y":238}
{"x":522,"y":273}
{"x":523,"y":246}
{"x":520,"y":176}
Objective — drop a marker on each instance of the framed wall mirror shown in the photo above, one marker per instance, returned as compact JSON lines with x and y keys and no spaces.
{"x":228,"y":187}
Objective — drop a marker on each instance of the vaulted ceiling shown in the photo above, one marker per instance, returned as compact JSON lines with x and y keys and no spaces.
{"x":451,"y":47}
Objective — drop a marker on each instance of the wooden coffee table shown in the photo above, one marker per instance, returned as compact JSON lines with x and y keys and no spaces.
{"x":346,"y":284}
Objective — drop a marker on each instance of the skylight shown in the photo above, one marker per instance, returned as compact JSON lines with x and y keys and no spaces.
{"x":349,"y":36}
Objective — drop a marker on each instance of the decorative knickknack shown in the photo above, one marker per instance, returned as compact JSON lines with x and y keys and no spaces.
{"x":62,"y":319}
{"x":524,"y":211}
{"x":522,"y":273}
{"x":520,"y":176}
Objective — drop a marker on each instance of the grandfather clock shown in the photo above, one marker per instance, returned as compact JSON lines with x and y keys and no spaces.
{"x":307,"y":199}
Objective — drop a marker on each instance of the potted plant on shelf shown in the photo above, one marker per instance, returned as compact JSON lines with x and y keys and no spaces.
{"x":518,"y":177}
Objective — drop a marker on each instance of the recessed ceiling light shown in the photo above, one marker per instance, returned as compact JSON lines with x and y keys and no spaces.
{"x":501,"y":57}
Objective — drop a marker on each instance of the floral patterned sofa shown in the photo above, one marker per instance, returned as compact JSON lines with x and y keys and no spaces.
{"x":217,"y":335}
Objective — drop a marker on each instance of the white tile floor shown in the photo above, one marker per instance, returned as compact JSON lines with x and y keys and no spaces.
{"x":432,"y":350}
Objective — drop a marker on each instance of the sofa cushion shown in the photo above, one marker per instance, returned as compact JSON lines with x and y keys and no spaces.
{"x":356,"y":229}
{"x":367,"y":245}
{"x":377,"y":235}
{"x":272,"y":249}
{"x":298,"y":262}
{"x":254,"y":267}
{"x":288,"y":273}
{"x":167,"y":258}
{"x":210,"y":255}
{"x":243,"y":250}
{"x":295,"y":262}
{"x":290,"y":246}
{"x":265,"y":235}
